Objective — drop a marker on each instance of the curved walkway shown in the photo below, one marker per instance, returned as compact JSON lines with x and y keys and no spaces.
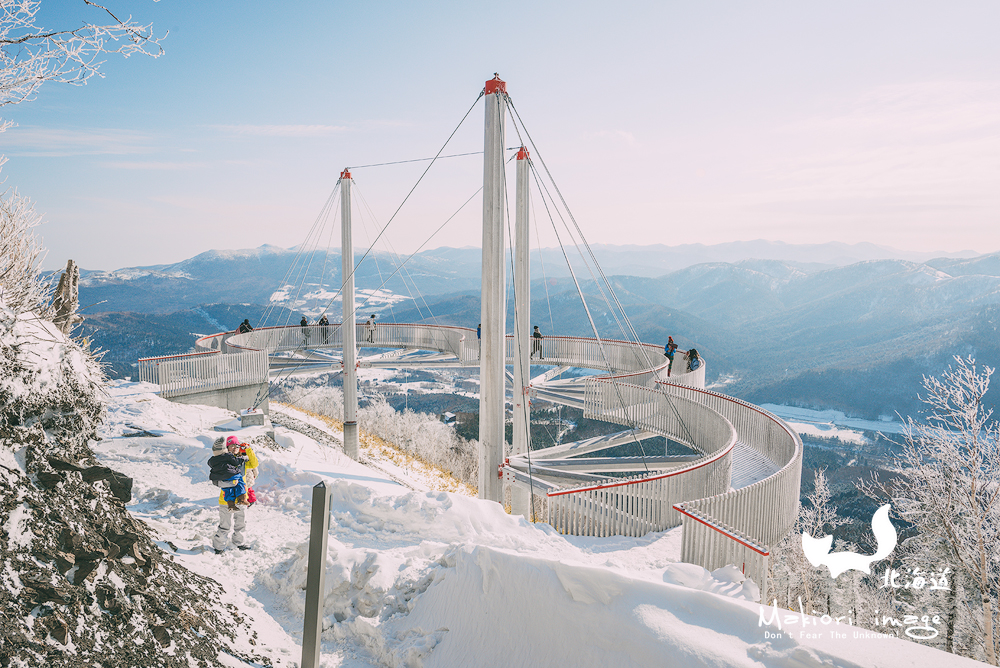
{"x":736,"y":498}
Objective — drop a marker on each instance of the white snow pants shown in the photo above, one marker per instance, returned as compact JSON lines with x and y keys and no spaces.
{"x":226,"y":520}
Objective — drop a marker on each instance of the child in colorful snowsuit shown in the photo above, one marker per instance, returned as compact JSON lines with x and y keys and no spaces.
{"x":227,"y":473}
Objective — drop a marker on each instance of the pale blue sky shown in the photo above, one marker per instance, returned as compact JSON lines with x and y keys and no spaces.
{"x":662,"y":122}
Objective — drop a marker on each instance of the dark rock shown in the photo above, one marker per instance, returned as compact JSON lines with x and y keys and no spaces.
{"x":65,"y":561}
{"x":49,"y":479}
{"x":63,"y":465}
{"x":90,"y":554}
{"x":71,"y":540}
{"x":124,"y":541}
{"x":95,"y":473}
{"x":120,"y":484}
{"x":60,"y":631}
{"x":39,"y":591}
{"x":84,"y":571}
{"x":161,"y":635}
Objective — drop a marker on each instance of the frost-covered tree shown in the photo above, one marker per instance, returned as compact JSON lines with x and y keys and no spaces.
{"x":948,"y":486}
{"x":418,"y":434}
{"x":21,"y":286}
{"x":792,"y":574}
{"x":32,"y":53}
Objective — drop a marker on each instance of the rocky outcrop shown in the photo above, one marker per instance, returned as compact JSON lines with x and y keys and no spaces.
{"x":81,"y":581}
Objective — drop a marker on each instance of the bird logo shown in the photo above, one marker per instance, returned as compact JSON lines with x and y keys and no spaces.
{"x":817,"y":550}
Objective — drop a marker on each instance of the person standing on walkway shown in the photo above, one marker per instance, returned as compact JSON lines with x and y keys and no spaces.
{"x":536,"y":343}
{"x":668,"y":351}
{"x":324,"y":326}
{"x":245,"y":327}
{"x":370,"y":329}
{"x":479,"y":340}
{"x":304,"y":324}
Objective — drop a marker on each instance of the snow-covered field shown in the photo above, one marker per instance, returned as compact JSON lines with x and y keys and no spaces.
{"x":831,"y":423}
{"x":428,"y":578}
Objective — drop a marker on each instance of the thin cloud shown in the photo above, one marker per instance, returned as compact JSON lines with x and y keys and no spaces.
{"x":156,"y":165}
{"x":34,"y":141}
{"x":282,"y":130}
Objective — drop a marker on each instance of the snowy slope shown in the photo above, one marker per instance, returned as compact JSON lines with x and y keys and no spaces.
{"x":425,"y":578}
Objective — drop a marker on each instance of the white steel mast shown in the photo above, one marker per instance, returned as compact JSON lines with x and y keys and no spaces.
{"x":347,"y":327}
{"x":491,"y":365}
{"x":519,"y":497}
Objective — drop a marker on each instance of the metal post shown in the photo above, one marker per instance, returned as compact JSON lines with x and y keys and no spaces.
{"x":319,"y":532}
{"x":347,"y":327}
{"x":519,"y":497}
{"x":491,"y":367}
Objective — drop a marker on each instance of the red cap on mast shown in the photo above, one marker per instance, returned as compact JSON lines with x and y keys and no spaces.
{"x":523,"y":154}
{"x":346,"y":174}
{"x":495,"y":85}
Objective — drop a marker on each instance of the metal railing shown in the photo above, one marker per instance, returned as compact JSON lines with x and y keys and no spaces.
{"x":636,"y":505}
{"x":739,"y":526}
{"x":203,"y":372}
{"x":623,"y":356}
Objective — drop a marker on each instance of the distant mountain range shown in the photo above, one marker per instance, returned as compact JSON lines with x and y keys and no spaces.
{"x":254,"y":275}
{"x":824,"y":329}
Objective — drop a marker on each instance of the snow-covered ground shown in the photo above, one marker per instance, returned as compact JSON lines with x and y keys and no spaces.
{"x":430,"y":578}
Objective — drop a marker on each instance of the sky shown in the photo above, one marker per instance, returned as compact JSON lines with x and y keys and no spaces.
{"x":661,"y":122}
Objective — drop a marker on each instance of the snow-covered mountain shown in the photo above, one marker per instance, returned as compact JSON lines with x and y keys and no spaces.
{"x":855,"y":337}
{"x":253,"y":275}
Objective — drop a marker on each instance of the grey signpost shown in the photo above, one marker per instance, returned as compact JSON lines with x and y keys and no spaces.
{"x":319,"y":532}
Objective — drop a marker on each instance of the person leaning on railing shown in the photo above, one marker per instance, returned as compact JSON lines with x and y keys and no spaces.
{"x":693,"y":360}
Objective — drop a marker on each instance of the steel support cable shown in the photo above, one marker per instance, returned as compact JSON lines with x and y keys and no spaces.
{"x":582,"y":237}
{"x":406,"y":199}
{"x":396,"y":255}
{"x":324,"y":212}
{"x":323,"y":217}
{"x":611,"y":309}
{"x":382,"y":232}
{"x":271,"y":384}
{"x":309,"y":249}
{"x":401,"y":162}
{"x":364,"y":226}
{"x":537,"y":236}
{"x":590,"y":251}
{"x":427,"y":241}
{"x":517,"y":340}
{"x":326,"y":257}
{"x":319,"y":223}
{"x":541,"y":262}
{"x":593,"y":326}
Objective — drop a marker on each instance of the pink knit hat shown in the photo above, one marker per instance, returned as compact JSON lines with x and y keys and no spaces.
{"x":232,"y":440}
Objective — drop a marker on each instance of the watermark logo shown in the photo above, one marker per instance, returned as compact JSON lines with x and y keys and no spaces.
{"x":817,"y":550}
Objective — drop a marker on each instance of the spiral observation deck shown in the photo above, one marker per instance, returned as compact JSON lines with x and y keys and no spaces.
{"x":736,"y":497}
